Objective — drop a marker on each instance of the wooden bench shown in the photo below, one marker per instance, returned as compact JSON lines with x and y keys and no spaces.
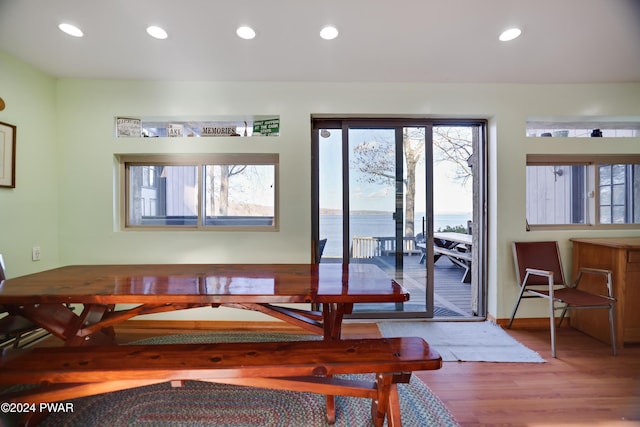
{"x":306,"y":366}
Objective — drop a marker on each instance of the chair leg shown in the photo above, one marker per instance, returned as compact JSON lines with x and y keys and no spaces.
{"x":564,"y":311}
{"x":552,"y":325}
{"x":522,"y":288}
{"x":613,"y":330}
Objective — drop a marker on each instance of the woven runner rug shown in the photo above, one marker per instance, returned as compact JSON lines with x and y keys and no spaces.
{"x":464,"y":341}
{"x":203,"y":404}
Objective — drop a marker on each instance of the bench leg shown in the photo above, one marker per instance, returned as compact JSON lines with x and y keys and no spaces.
{"x":380,"y":405}
{"x":394,"y":418}
{"x":331,"y":409}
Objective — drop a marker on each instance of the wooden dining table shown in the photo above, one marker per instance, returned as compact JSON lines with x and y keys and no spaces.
{"x":104,"y":295}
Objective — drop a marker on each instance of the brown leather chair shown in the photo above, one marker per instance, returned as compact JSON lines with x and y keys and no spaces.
{"x":539,"y":273}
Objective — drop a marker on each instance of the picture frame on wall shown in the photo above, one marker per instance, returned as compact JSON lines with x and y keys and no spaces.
{"x":7,"y":155}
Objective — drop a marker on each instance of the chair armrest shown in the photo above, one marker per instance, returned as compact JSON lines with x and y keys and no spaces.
{"x":537,"y":272}
{"x":542,"y":273}
{"x":596,"y":271}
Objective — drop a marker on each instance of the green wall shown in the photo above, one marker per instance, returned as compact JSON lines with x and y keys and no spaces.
{"x":29,"y":213}
{"x":66,"y":199}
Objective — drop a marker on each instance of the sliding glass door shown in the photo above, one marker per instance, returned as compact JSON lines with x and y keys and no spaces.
{"x":373,"y":202}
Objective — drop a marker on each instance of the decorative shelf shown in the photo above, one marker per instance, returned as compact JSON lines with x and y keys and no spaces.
{"x":171,"y":127}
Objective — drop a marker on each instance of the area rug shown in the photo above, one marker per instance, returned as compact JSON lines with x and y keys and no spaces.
{"x":203,"y":404}
{"x":464,"y":341}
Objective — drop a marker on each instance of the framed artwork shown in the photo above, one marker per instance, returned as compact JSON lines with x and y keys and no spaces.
{"x":7,"y":155}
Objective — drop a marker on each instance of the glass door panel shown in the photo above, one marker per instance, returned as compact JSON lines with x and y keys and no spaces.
{"x":372,"y":203}
{"x":415,"y":270}
{"x":331,"y":218}
{"x":384,"y":189}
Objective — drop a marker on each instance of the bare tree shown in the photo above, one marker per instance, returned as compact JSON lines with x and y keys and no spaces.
{"x":454,"y":144}
{"x":376,"y":160}
{"x":226,"y":172}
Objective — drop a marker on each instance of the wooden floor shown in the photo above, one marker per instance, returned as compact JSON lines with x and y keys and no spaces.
{"x":584,"y":386}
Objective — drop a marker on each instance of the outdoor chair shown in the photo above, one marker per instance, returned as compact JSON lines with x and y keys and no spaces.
{"x":320,"y":250}
{"x":539,"y":273}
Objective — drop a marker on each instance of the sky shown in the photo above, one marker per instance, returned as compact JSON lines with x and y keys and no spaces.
{"x":450,"y":196}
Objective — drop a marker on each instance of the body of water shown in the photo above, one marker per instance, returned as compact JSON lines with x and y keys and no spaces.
{"x":377,"y":225}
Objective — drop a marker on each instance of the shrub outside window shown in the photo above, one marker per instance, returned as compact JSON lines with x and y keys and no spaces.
{"x":233,"y":191}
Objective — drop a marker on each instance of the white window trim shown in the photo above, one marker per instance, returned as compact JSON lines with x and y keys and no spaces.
{"x":593,"y":198}
{"x":199,"y":161}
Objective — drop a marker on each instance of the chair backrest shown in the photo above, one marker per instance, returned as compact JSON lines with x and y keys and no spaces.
{"x":323,"y":243}
{"x":541,"y":256}
{"x":318,"y":249}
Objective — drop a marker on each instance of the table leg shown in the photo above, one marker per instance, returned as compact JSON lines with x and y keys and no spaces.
{"x":63,"y":323}
{"x":333,"y":315}
{"x":91,"y":314}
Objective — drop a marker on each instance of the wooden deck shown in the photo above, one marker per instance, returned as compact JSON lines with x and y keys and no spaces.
{"x":452,"y":297}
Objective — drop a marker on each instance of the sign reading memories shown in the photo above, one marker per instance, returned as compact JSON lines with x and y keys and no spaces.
{"x":219,"y":131}
{"x":220,"y":126}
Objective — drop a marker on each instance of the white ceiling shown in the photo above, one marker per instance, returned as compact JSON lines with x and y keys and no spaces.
{"x":380,"y":40}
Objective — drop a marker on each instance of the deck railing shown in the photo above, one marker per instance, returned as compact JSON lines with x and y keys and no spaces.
{"x":369,"y":247}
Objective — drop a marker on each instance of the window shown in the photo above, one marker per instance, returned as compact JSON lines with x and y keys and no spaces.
{"x":619,"y":194}
{"x":232,"y":191}
{"x":197,"y":127}
{"x":589,"y":190}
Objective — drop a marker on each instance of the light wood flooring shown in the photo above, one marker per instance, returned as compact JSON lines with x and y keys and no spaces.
{"x":584,"y":386}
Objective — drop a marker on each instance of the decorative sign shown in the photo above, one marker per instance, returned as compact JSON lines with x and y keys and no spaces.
{"x":176,"y":127}
{"x":128,"y":128}
{"x":175,"y":130}
{"x":266,"y":127}
{"x":219,"y":131}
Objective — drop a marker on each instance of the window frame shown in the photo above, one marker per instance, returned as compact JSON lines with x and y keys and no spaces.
{"x":199,"y":161}
{"x":592,"y":178}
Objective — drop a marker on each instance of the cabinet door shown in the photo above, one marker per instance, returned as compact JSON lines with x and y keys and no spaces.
{"x":631,"y":297}
{"x":595,"y":322}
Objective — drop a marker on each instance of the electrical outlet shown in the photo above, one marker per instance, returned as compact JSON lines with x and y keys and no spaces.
{"x":35,"y":253}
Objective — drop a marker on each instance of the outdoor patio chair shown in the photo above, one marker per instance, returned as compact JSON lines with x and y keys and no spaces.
{"x":319,"y":250}
{"x":539,"y":273}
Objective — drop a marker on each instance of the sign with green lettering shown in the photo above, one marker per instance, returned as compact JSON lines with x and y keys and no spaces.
{"x":270,"y":127}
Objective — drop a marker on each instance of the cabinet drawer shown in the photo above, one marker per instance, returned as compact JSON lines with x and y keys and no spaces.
{"x":633,"y":261}
{"x":633,"y":256}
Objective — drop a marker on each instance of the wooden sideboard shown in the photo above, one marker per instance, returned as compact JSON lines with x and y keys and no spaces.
{"x":621,"y":256}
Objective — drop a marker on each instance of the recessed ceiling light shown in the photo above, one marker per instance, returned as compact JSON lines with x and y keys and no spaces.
{"x":157,"y":32}
{"x":72,"y":30}
{"x":510,"y":34}
{"x":246,"y":33}
{"x":329,"y":32}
